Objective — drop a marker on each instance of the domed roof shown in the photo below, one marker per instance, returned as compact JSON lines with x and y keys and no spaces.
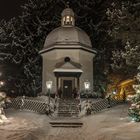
{"x":68,"y":33}
{"x":67,"y":36}
{"x":67,"y":11}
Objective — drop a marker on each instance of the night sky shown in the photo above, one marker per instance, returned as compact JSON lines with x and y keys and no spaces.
{"x":10,"y":8}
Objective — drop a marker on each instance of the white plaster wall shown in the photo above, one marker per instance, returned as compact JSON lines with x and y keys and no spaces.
{"x":49,"y":60}
{"x":73,"y":54}
{"x":86,"y":59}
{"x":52,"y":57}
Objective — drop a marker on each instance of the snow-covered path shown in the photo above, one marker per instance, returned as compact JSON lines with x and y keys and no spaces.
{"x":110,"y":124}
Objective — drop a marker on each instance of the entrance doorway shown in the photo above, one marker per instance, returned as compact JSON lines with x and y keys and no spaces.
{"x":67,"y":88}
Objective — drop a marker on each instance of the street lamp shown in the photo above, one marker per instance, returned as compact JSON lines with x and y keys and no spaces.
{"x":87,"y":86}
{"x":49,"y":86}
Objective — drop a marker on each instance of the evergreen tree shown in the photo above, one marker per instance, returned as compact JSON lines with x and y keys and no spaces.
{"x":126,"y":32}
{"x":125,"y":17}
{"x":134,"y":110}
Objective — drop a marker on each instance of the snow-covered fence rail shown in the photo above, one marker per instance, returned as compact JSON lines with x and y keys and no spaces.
{"x":28,"y":105}
{"x":116,"y":102}
{"x":102,"y":104}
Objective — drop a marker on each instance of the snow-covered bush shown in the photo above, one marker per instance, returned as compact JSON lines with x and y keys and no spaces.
{"x":3,"y":118}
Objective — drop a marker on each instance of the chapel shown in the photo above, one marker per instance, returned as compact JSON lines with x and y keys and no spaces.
{"x":67,"y":57}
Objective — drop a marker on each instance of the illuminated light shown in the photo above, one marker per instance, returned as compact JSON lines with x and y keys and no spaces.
{"x":49,"y":84}
{"x":87,"y":85}
{"x":67,"y":18}
{"x":114,"y":92}
{"x":129,"y":97}
{"x":133,"y":120}
{"x":116,"y":97}
{"x":1,"y":83}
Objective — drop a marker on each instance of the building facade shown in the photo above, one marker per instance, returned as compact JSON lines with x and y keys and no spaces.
{"x":67,"y":57}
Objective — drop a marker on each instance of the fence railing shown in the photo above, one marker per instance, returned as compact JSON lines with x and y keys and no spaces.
{"x":42,"y":106}
{"x":103,"y":104}
{"x":28,"y":105}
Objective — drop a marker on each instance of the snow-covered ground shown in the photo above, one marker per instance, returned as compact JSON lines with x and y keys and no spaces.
{"x":110,"y":124}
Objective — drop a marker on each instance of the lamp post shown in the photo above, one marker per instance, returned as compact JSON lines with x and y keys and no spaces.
{"x":49,"y":86}
{"x":87,"y":86}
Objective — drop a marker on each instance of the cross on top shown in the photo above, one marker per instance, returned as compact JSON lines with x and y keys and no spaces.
{"x":67,"y":4}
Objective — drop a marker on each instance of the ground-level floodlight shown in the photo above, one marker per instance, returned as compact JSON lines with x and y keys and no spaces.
{"x":49,"y":86}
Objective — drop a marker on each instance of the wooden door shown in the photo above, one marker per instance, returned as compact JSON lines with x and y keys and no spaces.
{"x":67,"y":88}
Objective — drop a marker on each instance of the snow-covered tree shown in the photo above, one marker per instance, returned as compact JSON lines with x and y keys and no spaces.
{"x":127,"y":60}
{"x":3,"y":118}
{"x":125,"y":30}
{"x":134,"y":110}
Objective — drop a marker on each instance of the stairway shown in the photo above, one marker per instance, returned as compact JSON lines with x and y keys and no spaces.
{"x":68,"y":108}
{"x":67,"y":114}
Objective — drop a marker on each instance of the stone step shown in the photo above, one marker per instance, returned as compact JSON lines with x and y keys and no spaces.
{"x":67,"y":115}
{"x":58,"y":125}
{"x":66,"y":111}
{"x":61,"y":113}
{"x":66,"y":124}
{"x":72,"y":111}
{"x":68,"y":108}
{"x":67,"y":104}
{"x":73,"y":126}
